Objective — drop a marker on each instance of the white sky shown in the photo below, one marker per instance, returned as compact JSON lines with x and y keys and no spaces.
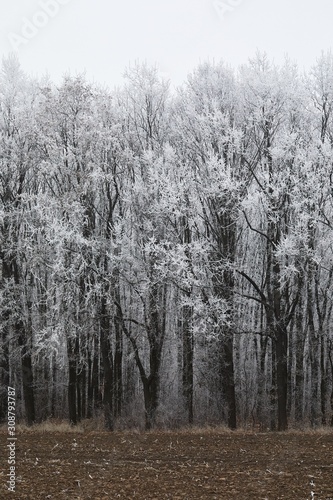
{"x":102,"y":37}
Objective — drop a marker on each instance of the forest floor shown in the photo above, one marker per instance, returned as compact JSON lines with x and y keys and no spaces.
{"x":193,"y":464}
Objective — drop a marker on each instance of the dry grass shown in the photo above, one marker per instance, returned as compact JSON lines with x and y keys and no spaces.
{"x":97,"y":425}
{"x":47,"y":426}
{"x":311,"y":430}
{"x":194,"y":429}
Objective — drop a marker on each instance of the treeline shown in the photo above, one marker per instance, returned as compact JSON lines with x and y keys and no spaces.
{"x":167,"y":256}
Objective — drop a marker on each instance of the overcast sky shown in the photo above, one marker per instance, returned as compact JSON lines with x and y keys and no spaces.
{"x":102,"y":37}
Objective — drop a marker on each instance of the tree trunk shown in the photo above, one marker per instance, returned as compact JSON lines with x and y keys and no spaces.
{"x":187,"y":369}
{"x":299,"y":369}
{"x":273,"y":392}
{"x":54,"y":393}
{"x":151,"y":393}
{"x":4,"y":373}
{"x":118,"y":367}
{"x":27,"y":373}
{"x":228,"y":383}
{"x":90,"y":394}
{"x":314,"y":348}
{"x":106,"y":351}
{"x":84,"y":390}
{"x":262,"y":411}
{"x":323,"y":383}
{"x":282,"y":377}
{"x":72,"y":351}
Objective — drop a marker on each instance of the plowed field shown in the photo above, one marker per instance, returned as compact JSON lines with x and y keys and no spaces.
{"x":190,"y":465}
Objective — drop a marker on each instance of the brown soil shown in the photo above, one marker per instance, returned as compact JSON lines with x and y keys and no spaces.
{"x":172,"y":465}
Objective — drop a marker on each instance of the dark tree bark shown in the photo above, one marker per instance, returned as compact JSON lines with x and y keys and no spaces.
{"x":186,"y":322}
{"x":118,"y":355}
{"x":108,"y":370}
{"x":330,"y":357}
{"x":228,"y":382}
{"x":72,"y":353}
{"x":54,"y":394}
{"x":282,"y":377}
{"x":27,"y":374}
{"x":313,"y":335}
{"x":118,"y":370}
{"x":299,"y":360}
{"x":188,"y":354}
{"x":151,"y":387}
{"x":90,"y":395}
{"x":4,"y":352}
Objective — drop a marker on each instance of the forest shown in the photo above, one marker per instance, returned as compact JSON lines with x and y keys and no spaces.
{"x":166,"y":254}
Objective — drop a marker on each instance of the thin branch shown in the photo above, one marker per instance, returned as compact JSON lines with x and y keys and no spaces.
{"x":256,"y":230}
{"x":255,"y":286}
